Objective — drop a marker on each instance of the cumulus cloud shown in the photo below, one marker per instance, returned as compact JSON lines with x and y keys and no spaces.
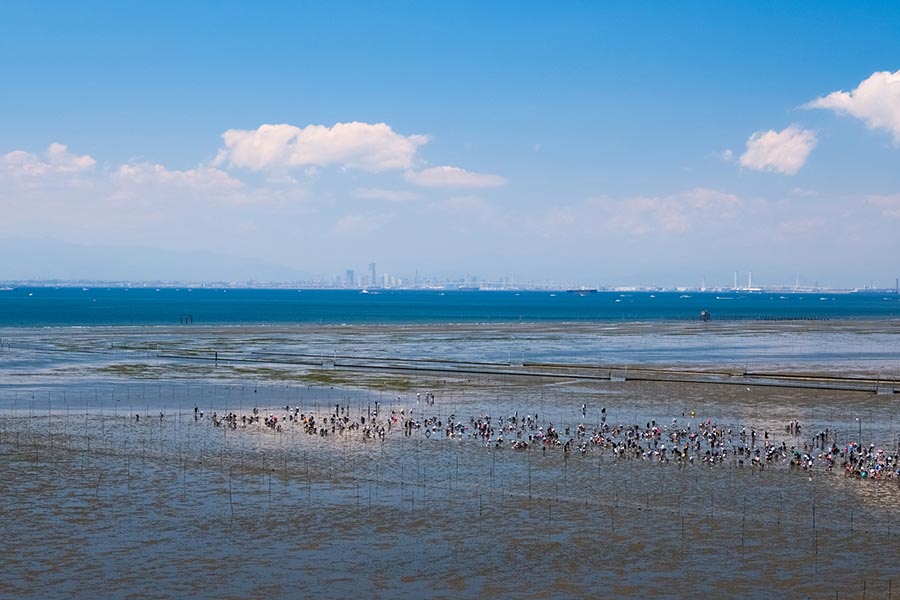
{"x":453,"y":177}
{"x":782,"y":151}
{"x":365,"y":146}
{"x":57,"y":159}
{"x":61,"y":159}
{"x":389,"y":195}
{"x":875,"y":101}
{"x":201,"y":178}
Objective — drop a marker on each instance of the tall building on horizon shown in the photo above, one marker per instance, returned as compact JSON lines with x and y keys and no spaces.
{"x":372,"y":279}
{"x":350,"y":278}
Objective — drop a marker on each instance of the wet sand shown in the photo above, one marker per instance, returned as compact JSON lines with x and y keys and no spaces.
{"x":95,"y":502}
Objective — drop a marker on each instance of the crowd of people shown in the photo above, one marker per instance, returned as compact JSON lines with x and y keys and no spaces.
{"x":682,"y":443}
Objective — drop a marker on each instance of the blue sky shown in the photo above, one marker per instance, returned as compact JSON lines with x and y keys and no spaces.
{"x":581,"y":142}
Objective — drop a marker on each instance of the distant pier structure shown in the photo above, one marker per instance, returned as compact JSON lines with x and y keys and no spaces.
{"x":187,"y":319}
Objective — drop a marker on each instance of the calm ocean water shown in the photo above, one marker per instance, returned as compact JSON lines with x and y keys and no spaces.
{"x":63,"y":307}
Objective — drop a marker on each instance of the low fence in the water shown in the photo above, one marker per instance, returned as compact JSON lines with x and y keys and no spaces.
{"x":576,"y":371}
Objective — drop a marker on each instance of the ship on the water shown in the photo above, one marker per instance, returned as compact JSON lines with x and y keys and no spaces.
{"x":582,"y":291}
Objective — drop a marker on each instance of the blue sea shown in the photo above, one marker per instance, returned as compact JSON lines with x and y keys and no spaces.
{"x":67,"y":307}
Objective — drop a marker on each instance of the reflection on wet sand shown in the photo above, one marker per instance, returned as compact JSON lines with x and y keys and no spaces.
{"x":489,"y":485}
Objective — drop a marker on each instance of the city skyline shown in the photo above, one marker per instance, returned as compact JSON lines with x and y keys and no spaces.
{"x":466,"y":281}
{"x":631,"y":144}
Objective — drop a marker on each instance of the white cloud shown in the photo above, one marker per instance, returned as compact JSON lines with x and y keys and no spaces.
{"x":679,"y":217}
{"x":201,"y":178}
{"x":365,"y":146}
{"x":453,"y":177}
{"x":677,"y":213}
{"x":696,"y":211}
{"x":389,"y":195}
{"x":62,"y":160}
{"x":782,"y":151}
{"x":19,"y":162}
{"x":57,"y":159}
{"x":875,"y":101}
{"x":467,"y":207}
{"x":807,"y":227}
{"x":799,"y":192}
{"x":889,"y":205}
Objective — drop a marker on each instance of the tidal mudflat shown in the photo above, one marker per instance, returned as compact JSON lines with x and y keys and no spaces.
{"x":116,"y":486}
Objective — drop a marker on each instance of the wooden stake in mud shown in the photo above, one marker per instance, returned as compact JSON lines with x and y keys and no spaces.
{"x":49,"y":426}
{"x":814,"y":514}
{"x":529,"y":475}
{"x":492,"y":478}
{"x":230,"y":498}
{"x":743,"y":523}
{"x":549,"y":514}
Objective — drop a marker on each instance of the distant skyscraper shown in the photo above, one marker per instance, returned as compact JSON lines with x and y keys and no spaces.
{"x":350,"y":278}
{"x":372,"y":279}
